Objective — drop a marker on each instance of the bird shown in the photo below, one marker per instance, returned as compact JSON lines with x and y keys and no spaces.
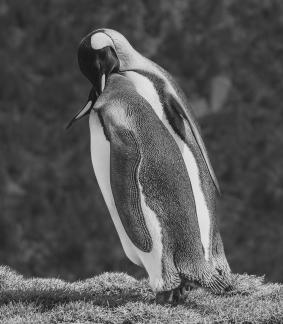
{"x":152,"y":168}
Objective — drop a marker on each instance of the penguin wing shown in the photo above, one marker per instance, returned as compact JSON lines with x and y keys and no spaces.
{"x":125,"y":158}
{"x":179,"y":115}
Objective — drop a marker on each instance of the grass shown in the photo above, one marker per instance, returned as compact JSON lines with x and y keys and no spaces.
{"x":119,"y":298}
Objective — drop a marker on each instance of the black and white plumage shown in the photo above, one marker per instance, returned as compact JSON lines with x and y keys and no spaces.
{"x":152,"y":166}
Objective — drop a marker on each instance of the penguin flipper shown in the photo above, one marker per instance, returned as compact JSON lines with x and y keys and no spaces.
{"x":125,"y":158}
{"x":177,"y":116}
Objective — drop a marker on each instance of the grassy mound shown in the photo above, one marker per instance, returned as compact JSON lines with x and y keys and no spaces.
{"x":119,"y":298}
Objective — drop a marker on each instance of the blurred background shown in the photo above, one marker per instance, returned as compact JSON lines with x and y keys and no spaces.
{"x":228,"y":58}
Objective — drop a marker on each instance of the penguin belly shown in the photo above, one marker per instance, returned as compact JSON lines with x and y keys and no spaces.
{"x":100,"y":155}
{"x":147,"y":90}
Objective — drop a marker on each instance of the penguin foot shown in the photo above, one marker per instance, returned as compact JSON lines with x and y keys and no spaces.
{"x":190,"y":284}
{"x":173,"y":297}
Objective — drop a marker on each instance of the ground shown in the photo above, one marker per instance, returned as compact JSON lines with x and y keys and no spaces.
{"x":119,"y":298}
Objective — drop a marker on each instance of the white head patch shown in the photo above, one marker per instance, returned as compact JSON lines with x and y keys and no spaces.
{"x":101,"y":40}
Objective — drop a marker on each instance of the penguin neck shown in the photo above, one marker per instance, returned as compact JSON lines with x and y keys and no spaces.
{"x":93,"y":124}
{"x":131,"y":60}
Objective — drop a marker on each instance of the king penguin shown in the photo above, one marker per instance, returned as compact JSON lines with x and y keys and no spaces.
{"x":152,"y":168}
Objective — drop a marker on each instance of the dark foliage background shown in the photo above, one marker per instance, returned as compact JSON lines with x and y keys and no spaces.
{"x":228,"y":57}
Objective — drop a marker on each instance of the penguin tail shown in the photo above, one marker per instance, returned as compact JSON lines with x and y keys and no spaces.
{"x":209,"y":277}
{"x":221,"y":265}
{"x":217,"y":282}
{"x":219,"y":259}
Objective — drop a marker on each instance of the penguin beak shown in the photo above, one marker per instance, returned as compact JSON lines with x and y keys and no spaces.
{"x":87,"y":108}
{"x":102,"y":86}
{"x":94,"y":94}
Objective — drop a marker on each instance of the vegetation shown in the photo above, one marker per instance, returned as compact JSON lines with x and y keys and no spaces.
{"x":53,"y":218}
{"x":119,"y":298}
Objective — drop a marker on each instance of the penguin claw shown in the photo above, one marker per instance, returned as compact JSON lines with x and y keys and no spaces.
{"x":170,"y":299}
{"x":183,"y":291}
{"x":183,"y":294}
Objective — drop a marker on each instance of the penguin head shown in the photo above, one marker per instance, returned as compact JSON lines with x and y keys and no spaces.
{"x":100,"y":53}
{"x":97,"y":58}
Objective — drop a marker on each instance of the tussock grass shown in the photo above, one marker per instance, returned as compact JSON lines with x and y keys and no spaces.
{"x":119,"y":298}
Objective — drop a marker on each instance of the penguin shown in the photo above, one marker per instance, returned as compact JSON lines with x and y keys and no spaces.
{"x":152,"y":168}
